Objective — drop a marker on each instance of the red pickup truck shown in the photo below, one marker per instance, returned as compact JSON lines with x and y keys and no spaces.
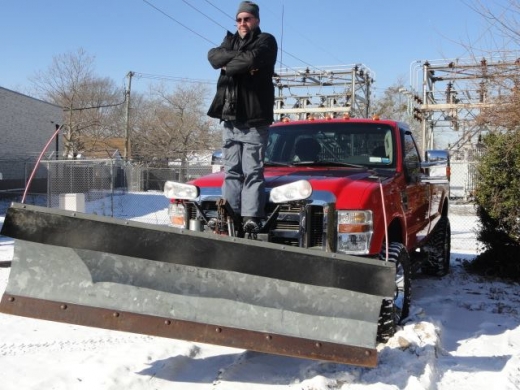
{"x":351,"y":186}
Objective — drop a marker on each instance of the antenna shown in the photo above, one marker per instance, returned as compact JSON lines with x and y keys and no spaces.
{"x":281,"y":39}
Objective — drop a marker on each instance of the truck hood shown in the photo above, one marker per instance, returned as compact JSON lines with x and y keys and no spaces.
{"x":334,"y":180}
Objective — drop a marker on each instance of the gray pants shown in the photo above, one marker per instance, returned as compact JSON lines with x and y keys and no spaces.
{"x":243,"y":158}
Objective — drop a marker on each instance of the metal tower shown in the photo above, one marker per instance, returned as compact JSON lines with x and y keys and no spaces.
{"x":324,"y":90}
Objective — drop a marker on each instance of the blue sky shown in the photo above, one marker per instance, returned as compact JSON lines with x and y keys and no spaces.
{"x":172,"y":37}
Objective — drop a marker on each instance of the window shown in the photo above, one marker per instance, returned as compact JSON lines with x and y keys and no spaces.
{"x":412,"y":162}
{"x":368,"y":144}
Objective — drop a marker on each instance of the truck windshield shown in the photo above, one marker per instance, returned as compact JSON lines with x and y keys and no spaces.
{"x":366,"y":144}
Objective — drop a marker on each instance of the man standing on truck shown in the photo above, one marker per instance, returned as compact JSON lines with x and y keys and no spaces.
{"x":244,"y":102}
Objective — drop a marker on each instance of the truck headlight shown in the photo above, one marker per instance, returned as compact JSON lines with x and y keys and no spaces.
{"x":297,"y":190}
{"x":174,"y":190}
{"x":355,"y":228}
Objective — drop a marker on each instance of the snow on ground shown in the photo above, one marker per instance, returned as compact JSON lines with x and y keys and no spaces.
{"x":463,"y":333}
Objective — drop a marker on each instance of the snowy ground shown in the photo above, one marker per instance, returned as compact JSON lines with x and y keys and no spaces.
{"x":463,"y":333}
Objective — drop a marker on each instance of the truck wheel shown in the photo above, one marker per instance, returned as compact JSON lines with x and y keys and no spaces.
{"x":395,"y":309}
{"x":438,"y":250}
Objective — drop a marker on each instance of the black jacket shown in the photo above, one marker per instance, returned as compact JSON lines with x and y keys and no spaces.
{"x":245,"y":90}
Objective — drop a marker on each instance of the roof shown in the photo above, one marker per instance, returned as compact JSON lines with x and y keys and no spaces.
{"x":104,"y":148}
{"x":29,"y":97}
{"x":311,"y":121}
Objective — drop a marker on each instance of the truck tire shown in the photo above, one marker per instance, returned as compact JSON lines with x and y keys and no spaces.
{"x":438,"y":250}
{"x":395,"y":309}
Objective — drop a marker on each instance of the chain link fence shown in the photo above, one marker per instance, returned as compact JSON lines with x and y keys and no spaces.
{"x":463,"y":180}
{"x":114,"y":188}
{"x":104,"y":187}
{"x":14,"y":174}
{"x":117,"y":189}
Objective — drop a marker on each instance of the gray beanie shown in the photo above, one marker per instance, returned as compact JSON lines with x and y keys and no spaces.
{"x":249,"y":7}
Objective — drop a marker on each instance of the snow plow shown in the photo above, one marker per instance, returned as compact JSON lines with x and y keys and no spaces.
{"x":164,"y":281}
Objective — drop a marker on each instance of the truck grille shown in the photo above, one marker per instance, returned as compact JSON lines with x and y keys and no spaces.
{"x":316,"y":226}
{"x":286,"y":229}
{"x":288,"y":217}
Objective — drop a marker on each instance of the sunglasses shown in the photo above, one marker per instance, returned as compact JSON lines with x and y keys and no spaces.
{"x":247,"y":19}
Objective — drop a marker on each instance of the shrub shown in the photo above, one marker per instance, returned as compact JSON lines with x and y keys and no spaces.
{"x":498,"y":204}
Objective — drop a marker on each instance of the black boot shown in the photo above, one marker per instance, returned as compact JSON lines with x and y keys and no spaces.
{"x":252,"y":224}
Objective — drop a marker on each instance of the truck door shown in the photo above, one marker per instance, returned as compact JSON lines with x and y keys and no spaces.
{"x":415,"y":197}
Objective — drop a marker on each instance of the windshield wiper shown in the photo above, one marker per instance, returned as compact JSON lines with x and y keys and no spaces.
{"x":276,"y":164}
{"x":329,"y":163}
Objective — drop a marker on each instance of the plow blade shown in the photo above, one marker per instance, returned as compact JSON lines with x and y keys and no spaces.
{"x":156,"y":280}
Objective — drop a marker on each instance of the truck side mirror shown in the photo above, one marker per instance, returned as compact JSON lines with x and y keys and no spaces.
{"x":437,"y":164}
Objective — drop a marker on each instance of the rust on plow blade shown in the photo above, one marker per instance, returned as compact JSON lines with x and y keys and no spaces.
{"x":129,"y":276}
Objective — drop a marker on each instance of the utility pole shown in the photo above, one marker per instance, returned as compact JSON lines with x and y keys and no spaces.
{"x":127,"y":116}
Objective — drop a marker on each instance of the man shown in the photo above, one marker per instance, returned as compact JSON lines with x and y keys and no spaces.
{"x":244,"y":102}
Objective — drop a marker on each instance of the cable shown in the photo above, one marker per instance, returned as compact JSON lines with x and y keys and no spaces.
{"x":203,"y":14}
{"x":179,"y":23}
{"x":384,"y":218}
{"x":281,"y":50}
{"x":299,"y":59}
{"x":36,"y":165}
{"x":94,"y":107}
{"x":222,"y":12}
{"x":218,"y":24}
{"x":306,"y":38}
{"x":172,"y":78}
{"x":314,"y":44}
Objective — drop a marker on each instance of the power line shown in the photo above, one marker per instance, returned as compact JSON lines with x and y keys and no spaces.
{"x":297,"y":59}
{"x":172,"y":78}
{"x":281,"y":43}
{"x":299,"y":33}
{"x":218,"y":24}
{"x":218,"y":9}
{"x":179,"y":23}
{"x":98,"y":106}
{"x":203,"y":14}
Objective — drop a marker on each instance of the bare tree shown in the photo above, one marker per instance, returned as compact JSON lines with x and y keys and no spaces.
{"x":396,"y":106}
{"x":173,"y":125}
{"x":504,"y":112}
{"x":503,"y":31}
{"x":393,"y":104}
{"x":89,"y":102}
{"x":502,"y":25}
